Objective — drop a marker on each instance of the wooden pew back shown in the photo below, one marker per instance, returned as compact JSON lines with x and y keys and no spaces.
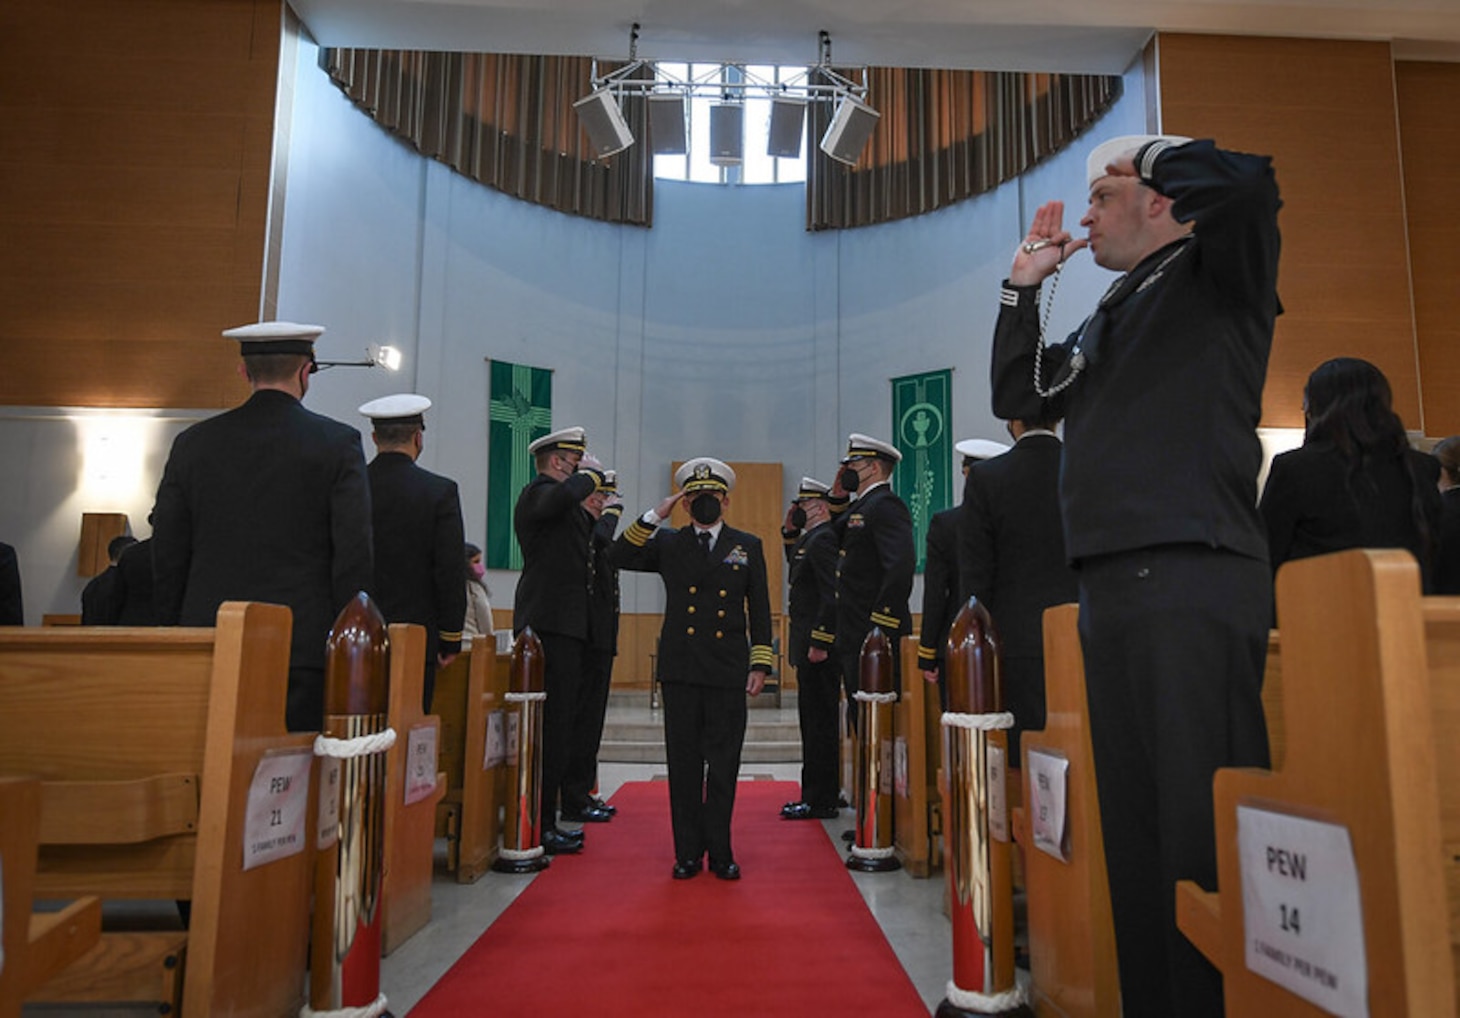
{"x":1364,"y":716}
{"x":467,"y":695}
{"x":155,"y":735}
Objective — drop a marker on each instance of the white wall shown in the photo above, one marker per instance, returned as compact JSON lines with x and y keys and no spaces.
{"x":725,"y":330}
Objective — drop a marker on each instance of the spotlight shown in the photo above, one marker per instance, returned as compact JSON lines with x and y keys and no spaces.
{"x":604,"y":121}
{"x":388,"y":357}
{"x":727,"y":134}
{"x":851,"y":126}
{"x":666,"y":124}
{"x":788,"y":115}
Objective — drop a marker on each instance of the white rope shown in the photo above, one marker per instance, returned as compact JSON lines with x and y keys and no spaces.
{"x":520,"y":854}
{"x":372,"y":1010}
{"x":978,"y":722}
{"x":866,"y":697}
{"x":525,"y":697}
{"x":872,"y":853}
{"x":987,"y":1003}
{"x":361,"y":745}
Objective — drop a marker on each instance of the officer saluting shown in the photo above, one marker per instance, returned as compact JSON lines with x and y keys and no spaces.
{"x":714,"y":648}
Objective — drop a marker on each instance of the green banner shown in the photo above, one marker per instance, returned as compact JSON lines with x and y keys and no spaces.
{"x":921,"y":415}
{"x":521,"y":409}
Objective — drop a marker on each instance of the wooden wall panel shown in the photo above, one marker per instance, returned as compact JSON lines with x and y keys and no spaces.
{"x":133,"y":197}
{"x":1429,"y":132}
{"x":1325,"y":111}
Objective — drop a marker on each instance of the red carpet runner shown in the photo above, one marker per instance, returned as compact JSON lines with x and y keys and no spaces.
{"x":608,"y":933}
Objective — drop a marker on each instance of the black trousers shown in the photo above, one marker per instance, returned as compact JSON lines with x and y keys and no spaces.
{"x":704,"y":730}
{"x":304,"y":701}
{"x":817,"y":697}
{"x":563,"y":662}
{"x":1174,"y":640}
{"x":582,"y":773}
{"x":851,"y":669}
{"x":1024,"y":698}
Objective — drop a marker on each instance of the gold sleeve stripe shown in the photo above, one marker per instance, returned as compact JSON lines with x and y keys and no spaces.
{"x":449,"y":636}
{"x":638,"y":533}
{"x":822,"y":636}
{"x":885,"y":621}
{"x":927,"y":654}
{"x":760,"y":654}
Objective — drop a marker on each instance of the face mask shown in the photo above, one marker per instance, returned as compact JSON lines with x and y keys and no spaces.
{"x":705,"y":509}
{"x":477,"y":570}
{"x":850,"y":479}
{"x":798,"y":517}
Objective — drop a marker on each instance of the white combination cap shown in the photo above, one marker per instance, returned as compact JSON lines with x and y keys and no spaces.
{"x":275,"y":337}
{"x":860,"y":447}
{"x":402,"y":408}
{"x":1106,"y":152}
{"x":980,"y":448}
{"x":571,"y":439}
{"x":704,"y":473}
{"x":810,"y":487}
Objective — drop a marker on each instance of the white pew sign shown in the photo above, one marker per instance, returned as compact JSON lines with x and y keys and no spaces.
{"x":1049,"y":777}
{"x":1302,"y":918}
{"x":420,"y":763}
{"x":278,"y":799}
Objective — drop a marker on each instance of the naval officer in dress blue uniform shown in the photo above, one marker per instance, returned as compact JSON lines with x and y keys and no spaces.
{"x":714,"y":648}
{"x":267,"y":502}
{"x":420,"y":576}
{"x":877,"y":559}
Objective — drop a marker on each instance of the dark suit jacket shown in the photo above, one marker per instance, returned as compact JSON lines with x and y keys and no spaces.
{"x":420,"y":575}
{"x":267,"y":502}
{"x":717,"y":613}
{"x":1311,"y":506}
{"x":603,"y":600}
{"x":11,"y":612}
{"x":1447,"y":558}
{"x":136,"y":603}
{"x":940,"y":587}
{"x":812,"y":561}
{"x":99,"y":604}
{"x":875,"y":569}
{"x":1012,"y":555}
{"x":553,"y":532}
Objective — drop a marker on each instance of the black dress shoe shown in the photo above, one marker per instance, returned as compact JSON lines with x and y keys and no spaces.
{"x":806,"y":811}
{"x":726,"y":871}
{"x":849,"y":836}
{"x":557,"y":843}
{"x":609,"y":807}
{"x":685,"y":870}
{"x":572,"y":834}
{"x":588,"y":814}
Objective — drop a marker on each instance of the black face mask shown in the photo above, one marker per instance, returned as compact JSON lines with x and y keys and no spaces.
{"x":798,"y":517}
{"x":705,"y":509}
{"x":850,"y":479}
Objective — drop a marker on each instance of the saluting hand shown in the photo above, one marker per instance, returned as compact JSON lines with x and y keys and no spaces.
{"x":663,"y":509}
{"x":1046,"y":245}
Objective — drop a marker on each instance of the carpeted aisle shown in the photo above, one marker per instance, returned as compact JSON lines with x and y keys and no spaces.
{"x":608,"y":933}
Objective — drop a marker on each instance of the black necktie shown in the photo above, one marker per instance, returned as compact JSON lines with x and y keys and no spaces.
{"x":704,"y":536}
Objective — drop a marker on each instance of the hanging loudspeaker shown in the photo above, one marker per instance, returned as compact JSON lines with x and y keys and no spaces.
{"x":851,"y":126}
{"x":604,"y":122}
{"x":787,"y":117}
{"x":727,"y":134}
{"x":666,"y":124}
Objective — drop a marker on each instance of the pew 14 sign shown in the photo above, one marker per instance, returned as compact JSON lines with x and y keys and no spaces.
{"x":420,"y":763}
{"x":1303,"y":920}
{"x":1048,"y":785}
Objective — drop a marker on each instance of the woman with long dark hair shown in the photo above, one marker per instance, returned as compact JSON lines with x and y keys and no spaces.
{"x":478,"y":620}
{"x":1355,"y":482}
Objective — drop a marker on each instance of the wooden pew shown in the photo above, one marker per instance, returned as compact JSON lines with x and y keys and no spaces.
{"x":413,"y":788}
{"x":37,"y":945}
{"x":146,"y":742}
{"x":1371,"y":691}
{"x":916,"y":754}
{"x":467,"y":695}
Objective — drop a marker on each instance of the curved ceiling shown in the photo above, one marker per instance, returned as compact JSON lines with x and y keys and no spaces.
{"x":1093,"y":36}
